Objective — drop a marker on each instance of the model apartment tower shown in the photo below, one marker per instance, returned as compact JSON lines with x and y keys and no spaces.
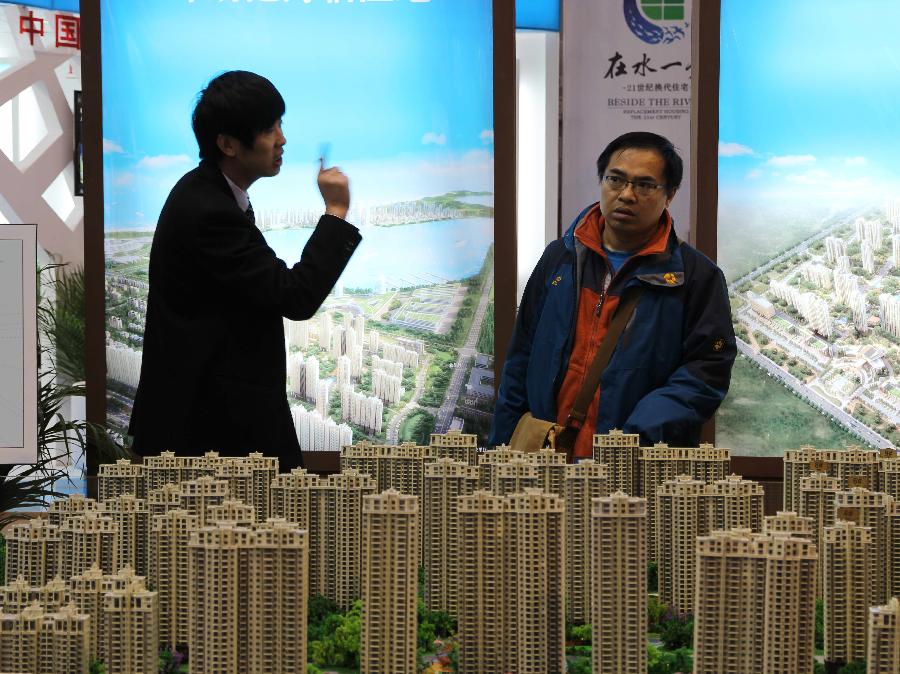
{"x":870,"y":509}
{"x":551,"y":469}
{"x":817,"y":492}
{"x":290,"y":493}
{"x":513,"y":476}
{"x":892,"y":517}
{"x":487,"y":460}
{"x":166,"y":468}
{"x":18,"y":595}
{"x":76,"y":504}
{"x":170,"y":536}
{"x":248,"y":592}
{"x":121,"y":477}
{"x":661,"y":463}
{"x":404,"y":468}
{"x":445,"y":481}
{"x":852,"y":467}
{"x":883,"y":656}
{"x":86,"y":540}
{"x":390,"y":562}
{"x":165,"y":498}
{"x":335,"y":535}
{"x":33,"y":551}
{"x":132,"y":519}
{"x":263,"y":470}
{"x":231,"y":510}
{"x":198,"y":495}
{"x":618,"y":544}
{"x":889,"y":472}
{"x":680,"y":520}
{"x":585,"y":481}
{"x":734,"y":503}
{"x":787,"y":521}
{"x":848,"y":548}
{"x":130,"y":629}
{"x":365,"y":458}
{"x":755,"y":606}
{"x":513,"y":555}
{"x":455,"y":445}
{"x":35,"y":641}
{"x":239,"y":478}
{"x":620,"y":452}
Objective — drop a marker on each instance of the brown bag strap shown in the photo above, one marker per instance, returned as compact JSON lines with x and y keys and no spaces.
{"x":604,"y":353}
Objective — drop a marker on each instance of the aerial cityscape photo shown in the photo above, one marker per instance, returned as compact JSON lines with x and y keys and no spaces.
{"x":809,"y":231}
{"x":403,"y":346}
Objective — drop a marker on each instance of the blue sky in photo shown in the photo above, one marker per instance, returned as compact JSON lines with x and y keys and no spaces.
{"x":809,"y":102}
{"x":401,"y":90}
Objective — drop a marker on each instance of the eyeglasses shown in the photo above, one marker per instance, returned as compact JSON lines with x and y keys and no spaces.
{"x":642,"y":188}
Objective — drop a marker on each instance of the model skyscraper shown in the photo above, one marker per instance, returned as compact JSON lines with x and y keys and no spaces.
{"x":883,"y":655}
{"x":513,"y":561}
{"x":755,"y":604}
{"x":848,"y":587}
{"x":390,"y":562}
{"x":585,"y":481}
{"x":817,"y":492}
{"x":248,"y":594}
{"x":618,"y":545}
{"x":620,"y":452}
{"x":445,"y":481}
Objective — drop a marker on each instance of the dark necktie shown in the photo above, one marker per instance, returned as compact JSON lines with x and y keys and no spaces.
{"x":249,"y":213}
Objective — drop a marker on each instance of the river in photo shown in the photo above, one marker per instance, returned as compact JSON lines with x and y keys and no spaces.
{"x":419,"y":254}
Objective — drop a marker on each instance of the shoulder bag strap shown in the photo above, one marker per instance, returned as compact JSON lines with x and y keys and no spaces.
{"x":620,"y":319}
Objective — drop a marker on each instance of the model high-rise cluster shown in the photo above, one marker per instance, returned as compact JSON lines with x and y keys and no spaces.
{"x":618,"y":545}
{"x":755,"y":603}
{"x":455,"y":445}
{"x":689,"y":508}
{"x":852,"y":467}
{"x":883,"y":655}
{"x":817,"y":492}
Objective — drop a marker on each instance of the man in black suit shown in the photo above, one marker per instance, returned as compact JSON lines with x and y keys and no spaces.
{"x":214,"y":375}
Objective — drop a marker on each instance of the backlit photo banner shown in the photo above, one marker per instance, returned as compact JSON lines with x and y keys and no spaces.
{"x":626,"y":67}
{"x":399,"y":94}
{"x":809,"y":223}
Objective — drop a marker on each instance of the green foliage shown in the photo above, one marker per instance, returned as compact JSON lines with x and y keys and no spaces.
{"x":668,"y":662}
{"x":417,"y":428}
{"x":67,"y":323}
{"x":818,"y":668}
{"x":855,"y":667}
{"x":677,"y":632}
{"x":432,"y":624}
{"x":97,"y":667}
{"x":652,"y":577}
{"x":579,"y":666}
{"x":656,"y":613}
{"x":338,"y":642}
{"x":312,"y":669}
{"x":486,"y":337}
{"x":583,"y":633}
{"x":820,"y":624}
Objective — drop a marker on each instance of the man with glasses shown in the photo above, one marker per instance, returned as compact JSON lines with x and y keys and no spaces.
{"x":671,"y":365}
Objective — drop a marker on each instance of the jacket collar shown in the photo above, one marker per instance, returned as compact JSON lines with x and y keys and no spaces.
{"x":210,"y":171}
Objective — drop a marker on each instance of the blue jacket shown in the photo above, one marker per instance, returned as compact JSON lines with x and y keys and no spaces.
{"x":671,"y":367}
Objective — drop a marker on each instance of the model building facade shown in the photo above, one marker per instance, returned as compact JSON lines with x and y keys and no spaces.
{"x":618,"y":545}
{"x":445,"y":481}
{"x":248,"y":594}
{"x":456,"y":445}
{"x":37,"y":641}
{"x":513,"y":562}
{"x":755,"y":603}
{"x":390,"y":562}
{"x":848,"y":588}
{"x":883,"y":656}
{"x":585,"y":481}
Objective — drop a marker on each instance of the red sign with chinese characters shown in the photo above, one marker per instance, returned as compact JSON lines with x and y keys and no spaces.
{"x":31,"y":25}
{"x":68,"y":31}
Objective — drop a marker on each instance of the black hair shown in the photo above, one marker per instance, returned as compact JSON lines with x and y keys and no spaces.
{"x":238,"y":103}
{"x":645,"y":140}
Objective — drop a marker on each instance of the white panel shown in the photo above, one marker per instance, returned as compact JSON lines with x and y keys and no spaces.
{"x":537,"y":147}
{"x":59,"y":195}
{"x":32,"y":126}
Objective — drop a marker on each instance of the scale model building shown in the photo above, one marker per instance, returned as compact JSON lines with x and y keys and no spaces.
{"x":219,"y":556}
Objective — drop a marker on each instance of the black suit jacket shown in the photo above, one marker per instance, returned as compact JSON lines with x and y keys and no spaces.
{"x":213,"y":375}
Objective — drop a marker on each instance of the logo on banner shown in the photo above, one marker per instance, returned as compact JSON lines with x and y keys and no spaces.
{"x":656,"y":21}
